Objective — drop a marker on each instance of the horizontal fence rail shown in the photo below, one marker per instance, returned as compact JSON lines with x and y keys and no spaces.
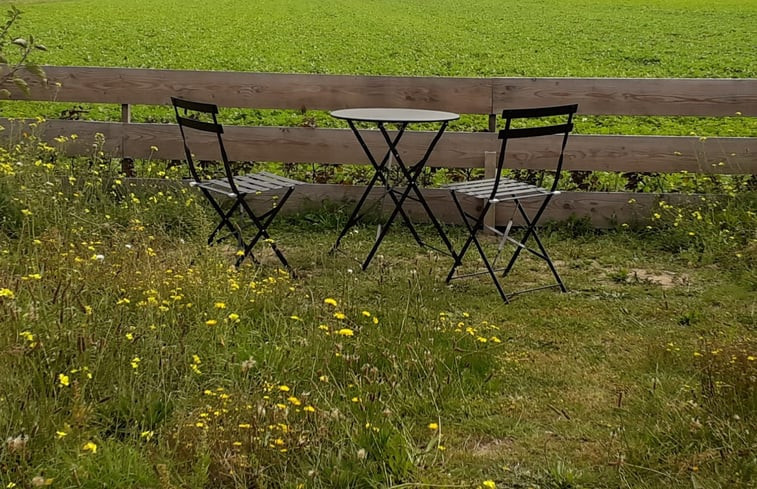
{"x":482,"y":96}
{"x":664,"y":154}
{"x":597,"y":96}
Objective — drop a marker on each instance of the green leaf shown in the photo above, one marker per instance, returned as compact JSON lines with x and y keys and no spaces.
{"x":35,"y":70}
{"x":21,"y":83}
{"x":20,"y":41}
{"x":41,"y":47}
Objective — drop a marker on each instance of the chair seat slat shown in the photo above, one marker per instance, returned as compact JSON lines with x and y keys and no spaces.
{"x":508,"y":189}
{"x":283,"y":181}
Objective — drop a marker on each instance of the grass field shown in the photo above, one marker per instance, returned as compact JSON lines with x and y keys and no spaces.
{"x":133,"y":355}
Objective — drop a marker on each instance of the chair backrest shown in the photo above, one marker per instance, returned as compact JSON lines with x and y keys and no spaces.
{"x":540,"y":122}
{"x":199,"y":117}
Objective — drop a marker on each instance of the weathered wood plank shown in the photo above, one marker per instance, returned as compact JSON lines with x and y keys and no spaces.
{"x":620,"y":96}
{"x":261,"y":90}
{"x":663,"y":154}
{"x":603,"y":209}
{"x":83,"y":132}
{"x":629,"y":96}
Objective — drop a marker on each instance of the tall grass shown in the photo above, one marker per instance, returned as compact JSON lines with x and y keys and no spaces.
{"x":134,"y":355}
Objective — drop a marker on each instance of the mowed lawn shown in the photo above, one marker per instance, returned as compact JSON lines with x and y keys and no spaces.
{"x":133,"y":355}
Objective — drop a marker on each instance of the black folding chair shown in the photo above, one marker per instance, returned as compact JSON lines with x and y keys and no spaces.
{"x":540,"y":124}
{"x":228,"y":195}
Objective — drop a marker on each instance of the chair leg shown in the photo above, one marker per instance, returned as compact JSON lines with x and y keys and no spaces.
{"x":544,"y":255}
{"x":490,"y":269}
{"x":531,"y":232}
{"x":225,"y":221}
{"x":473,"y":239}
{"x":471,"y":232}
{"x":262,"y":225}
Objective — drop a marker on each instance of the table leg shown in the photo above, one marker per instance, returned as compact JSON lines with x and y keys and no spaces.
{"x":411,"y":175}
{"x":379,"y":174}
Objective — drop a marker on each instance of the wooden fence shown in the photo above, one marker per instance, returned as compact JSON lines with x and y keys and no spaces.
{"x":483,"y":96}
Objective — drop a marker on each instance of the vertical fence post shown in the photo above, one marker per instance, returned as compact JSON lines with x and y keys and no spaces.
{"x":490,"y":170}
{"x":127,"y":164}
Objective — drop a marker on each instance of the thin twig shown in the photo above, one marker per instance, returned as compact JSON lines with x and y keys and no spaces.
{"x":561,"y":412}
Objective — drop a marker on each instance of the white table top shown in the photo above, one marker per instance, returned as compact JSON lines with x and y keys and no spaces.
{"x":379,"y":114}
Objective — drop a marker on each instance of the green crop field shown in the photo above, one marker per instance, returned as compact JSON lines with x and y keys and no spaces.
{"x":543,"y":38}
{"x":133,"y":355}
{"x":659,"y":38}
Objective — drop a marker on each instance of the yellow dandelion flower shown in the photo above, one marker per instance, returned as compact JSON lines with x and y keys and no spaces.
{"x":366,"y":314}
{"x":89,"y":447}
{"x":60,"y":434}
{"x":64,"y":380}
{"x":433,"y":426}
{"x":294,"y":400}
{"x":489,"y":484}
{"x":346,"y":332}
{"x":330,"y":301}
{"x":7,"y":293}
{"x":340,"y":315}
{"x":220,"y":305}
{"x":309,"y":409}
{"x":211,"y":322}
{"x":234,"y":317}
{"x":284,"y":388}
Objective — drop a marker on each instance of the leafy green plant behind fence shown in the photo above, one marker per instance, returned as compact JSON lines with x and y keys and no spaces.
{"x":16,"y":54}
